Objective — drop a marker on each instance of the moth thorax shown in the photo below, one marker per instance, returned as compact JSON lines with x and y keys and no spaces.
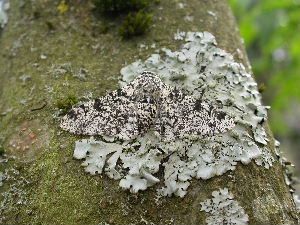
{"x":149,"y":90}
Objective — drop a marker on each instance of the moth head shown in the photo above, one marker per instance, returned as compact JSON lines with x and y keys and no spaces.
{"x":148,"y":84}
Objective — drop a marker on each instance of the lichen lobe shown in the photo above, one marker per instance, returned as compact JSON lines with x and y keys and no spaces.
{"x":223,"y":209}
{"x":4,"y":6}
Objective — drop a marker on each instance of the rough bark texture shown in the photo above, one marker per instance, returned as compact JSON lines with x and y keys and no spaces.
{"x":47,"y":186}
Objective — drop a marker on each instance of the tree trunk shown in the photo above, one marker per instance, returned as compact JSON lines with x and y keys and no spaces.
{"x":48,"y":54}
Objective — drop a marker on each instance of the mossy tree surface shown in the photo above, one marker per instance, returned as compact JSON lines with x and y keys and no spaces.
{"x":46,"y":185}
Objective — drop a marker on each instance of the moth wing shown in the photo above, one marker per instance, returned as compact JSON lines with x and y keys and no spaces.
{"x":118,"y":114}
{"x":183,"y":116}
{"x":207,"y":120}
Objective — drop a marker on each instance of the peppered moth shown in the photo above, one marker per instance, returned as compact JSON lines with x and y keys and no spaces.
{"x":146,"y":104}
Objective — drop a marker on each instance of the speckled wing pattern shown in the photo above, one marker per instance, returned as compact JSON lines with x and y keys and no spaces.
{"x":146,"y":104}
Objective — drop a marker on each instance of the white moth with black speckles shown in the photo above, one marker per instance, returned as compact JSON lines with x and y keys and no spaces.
{"x":147,"y":104}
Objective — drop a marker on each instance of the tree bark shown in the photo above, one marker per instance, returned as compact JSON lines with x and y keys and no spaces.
{"x":44,"y":184}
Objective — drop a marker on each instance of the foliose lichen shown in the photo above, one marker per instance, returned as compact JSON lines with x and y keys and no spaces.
{"x":205,"y":72}
{"x":2,"y":160}
{"x":4,"y":6}
{"x":223,"y":209}
{"x":1,"y":178}
{"x":297,"y":202}
{"x":289,"y":176}
{"x":288,"y":168}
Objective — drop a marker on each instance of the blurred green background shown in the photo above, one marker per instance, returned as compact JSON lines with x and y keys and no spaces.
{"x":270,"y":29}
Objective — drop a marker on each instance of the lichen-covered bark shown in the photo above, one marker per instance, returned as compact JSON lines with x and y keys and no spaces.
{"x":46,"y":56}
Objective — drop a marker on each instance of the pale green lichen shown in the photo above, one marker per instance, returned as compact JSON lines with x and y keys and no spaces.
{"x":223,"y":209}
{"x":297,"y":202}
{"x":1,"y":178}
{"x":212,"y":75}
{"x":4,"y":6}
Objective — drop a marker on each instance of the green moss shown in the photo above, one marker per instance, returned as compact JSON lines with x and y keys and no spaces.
{"x":262,"y":88}
{"x":136,"y":22}
{"x":1,"y":150}
{"x":103,"y":29}
{"x":66,"y":104}
{"x":50,"y":25}
{"x":110,"y":6}
{"x":135,"y":25}
{"x":36,"y":15}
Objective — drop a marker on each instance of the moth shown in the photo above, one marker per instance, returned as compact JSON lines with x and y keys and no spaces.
{"x":145,"y":104}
